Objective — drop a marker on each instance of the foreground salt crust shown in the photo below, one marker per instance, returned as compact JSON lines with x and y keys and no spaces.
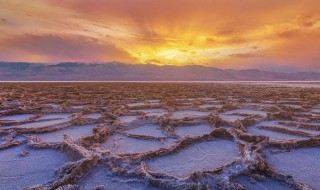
{"x":197,"y":157}
{"x":158,"y":136}
{"x":303,"y":164}
{"x":37,"y":166}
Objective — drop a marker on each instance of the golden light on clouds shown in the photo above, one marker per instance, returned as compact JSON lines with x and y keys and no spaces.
{"x":269,"y":34}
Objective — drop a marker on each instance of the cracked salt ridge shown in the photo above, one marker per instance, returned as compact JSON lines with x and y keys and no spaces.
{"x":268,"y":184}
{"x":154,"y":101}
{"x":78,"y":106}
{"x":20,"y":138}
{"x":278,"y":135}
{"x":246,"y":112}
{"x":272,"y":134}
{"x":305,"y":161}
{"x":231,"y":115}
{"x":315,"y":123}
{"x":262,"y":104}
{"x":93,"y":116}
{"x":205,"y":106}
{"x":207,"y":99}
{"x":291,"y":105}
{"x":147,"y":130}
{"x":136,"y":104}
{"x":152,"y":112}
{"x":292,"y":128}
{"x":127,"y":119}
{"x":189,"y":113}
{"x":74,"y":131}
{"x":231,"y":118}
{"x":35,"y":168}
{"x":54,"y":105}
{"x":39,"y":124}
{"x":55,"y":116}
{"x":54,"y":120}
{"x":227,"y":127}
{"x":193,"y":131}
{"x":17,"y":118}
{"x":201,"y":156}
{"x":121,"y":144}
{"x":101,"y":176}
{"x":310,"y":113}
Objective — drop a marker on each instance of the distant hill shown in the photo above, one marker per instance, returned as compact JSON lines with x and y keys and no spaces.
{"x":114,"y":71}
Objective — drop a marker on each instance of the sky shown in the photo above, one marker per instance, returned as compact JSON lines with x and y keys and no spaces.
{"x":279,"y":35}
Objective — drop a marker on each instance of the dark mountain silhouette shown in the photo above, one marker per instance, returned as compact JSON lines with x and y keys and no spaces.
{"x":115,"y":71}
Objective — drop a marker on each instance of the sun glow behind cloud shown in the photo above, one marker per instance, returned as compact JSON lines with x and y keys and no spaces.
{"x":268,"y":34}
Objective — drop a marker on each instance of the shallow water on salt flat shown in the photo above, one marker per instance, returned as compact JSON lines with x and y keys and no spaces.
{"x":17,"y":118}
{"x":193,"y":131}
{"x":273,"y":135}
{"x":147,"y":130}
{"x":189,"y":113}
{"x":120,"y":144}
{"x":200,"y":156}
{"x":74,"y":131}
{"x":93,"y":116}
{"x":35,"y":168}
{"x":305,"y":161}
{"x":152,"y":112}
{"x":127,"y":119}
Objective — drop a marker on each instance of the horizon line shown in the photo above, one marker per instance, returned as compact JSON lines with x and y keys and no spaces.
{"x":162,"y":65}
{"x":225,"y":81}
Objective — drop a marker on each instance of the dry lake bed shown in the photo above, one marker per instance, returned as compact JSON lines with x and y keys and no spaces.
{"x":143,"y":136}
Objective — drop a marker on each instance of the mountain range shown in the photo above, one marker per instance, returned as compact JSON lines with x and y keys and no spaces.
{"x":115,"y":71}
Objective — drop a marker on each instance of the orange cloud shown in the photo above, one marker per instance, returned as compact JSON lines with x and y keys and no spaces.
{"x":222,"y":33}
{"x":64,"y":48}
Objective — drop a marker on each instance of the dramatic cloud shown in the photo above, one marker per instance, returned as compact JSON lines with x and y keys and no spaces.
{"x":63,"y":48}
{"x":224,"y":33}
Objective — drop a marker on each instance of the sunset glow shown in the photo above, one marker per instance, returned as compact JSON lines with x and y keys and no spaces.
{"x":266,"y":34}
